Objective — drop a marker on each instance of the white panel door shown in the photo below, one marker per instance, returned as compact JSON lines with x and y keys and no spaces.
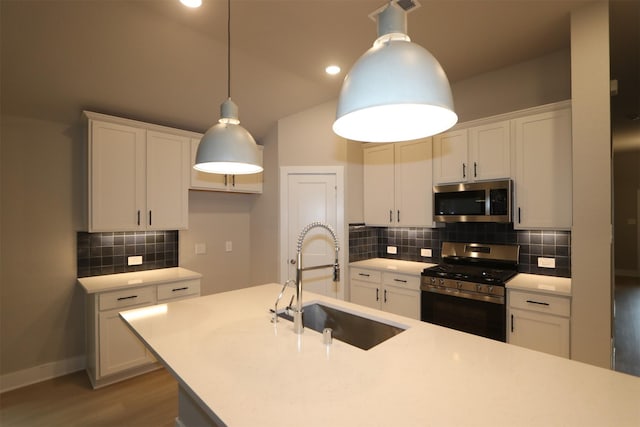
{"x":117,"y":181}
{"x":543,"y":171}
{"x":413,"y":184}
{"x":311,"y":198}
{"x":490,"y":151}
{"x":168,"y":160}
{"x":379,"y":203}
{"x":450,"y":157}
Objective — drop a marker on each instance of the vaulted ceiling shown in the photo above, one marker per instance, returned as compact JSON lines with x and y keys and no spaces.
{"x":157,"y":61}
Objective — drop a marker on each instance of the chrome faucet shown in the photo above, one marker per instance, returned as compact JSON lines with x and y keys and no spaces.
{"x":297,"y":311}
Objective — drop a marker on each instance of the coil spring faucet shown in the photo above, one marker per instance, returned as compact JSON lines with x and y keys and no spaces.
{"x":297,"y":311}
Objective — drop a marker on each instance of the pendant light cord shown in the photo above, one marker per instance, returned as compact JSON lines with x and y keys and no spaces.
{"x":229,"y":49}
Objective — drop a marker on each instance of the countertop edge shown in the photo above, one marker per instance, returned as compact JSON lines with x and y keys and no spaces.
{"x":119,"y":281}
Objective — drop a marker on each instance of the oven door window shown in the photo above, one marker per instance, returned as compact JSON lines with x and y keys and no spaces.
{"x":476,"y":317}
{"x":461,"y":203}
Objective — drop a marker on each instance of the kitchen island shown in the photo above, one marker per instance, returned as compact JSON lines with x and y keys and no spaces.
{"x":234,"y":367}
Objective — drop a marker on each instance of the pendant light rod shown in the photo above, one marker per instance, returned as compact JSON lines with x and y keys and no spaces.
{"x":229,"y":49}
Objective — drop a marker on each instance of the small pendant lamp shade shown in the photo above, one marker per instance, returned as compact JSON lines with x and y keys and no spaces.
{"x":396,"y":91}
{"x":227,"y":147}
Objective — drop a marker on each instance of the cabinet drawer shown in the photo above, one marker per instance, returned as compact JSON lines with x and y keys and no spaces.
{"x":372,"y":276}
{"x":126,"y":298}
{"x":543,"y":303}
{"x":401,"y":280}
{"x":178,"y":289}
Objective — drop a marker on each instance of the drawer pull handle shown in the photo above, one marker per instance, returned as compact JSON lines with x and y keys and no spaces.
{"x":129,"y":297}
{"x":537,"y":302}
{"x":179,"y":289}
{"x":364,"y":274}
{"x":400,"y":280}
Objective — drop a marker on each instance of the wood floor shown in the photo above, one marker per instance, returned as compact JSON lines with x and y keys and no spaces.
{"x":150,"y":400}
{"x":627,"y":325}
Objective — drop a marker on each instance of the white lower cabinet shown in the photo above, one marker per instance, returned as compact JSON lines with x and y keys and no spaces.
{"x":539,"y":321}
{"x":114,"y":353}
{"x":392,"y":292}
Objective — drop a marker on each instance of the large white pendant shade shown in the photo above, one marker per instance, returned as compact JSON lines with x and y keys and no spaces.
{"x":227,"y":147}
{"x":397,"y":91}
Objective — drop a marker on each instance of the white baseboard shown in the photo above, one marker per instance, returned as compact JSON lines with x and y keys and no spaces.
{"x":40,"y":373}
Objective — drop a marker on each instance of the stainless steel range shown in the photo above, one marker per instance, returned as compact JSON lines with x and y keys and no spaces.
{"x":467,"y":290}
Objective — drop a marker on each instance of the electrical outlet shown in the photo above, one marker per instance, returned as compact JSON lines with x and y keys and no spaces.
{"x":427,"y":253}
{"x":546,"y":262}
{"x":228,"y":246}
{"x":134,"y":260}
{"x":392,"y":250}
{"x":201,"y":248}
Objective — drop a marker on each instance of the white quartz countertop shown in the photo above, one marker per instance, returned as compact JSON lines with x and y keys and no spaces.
{"x":538,"y":283}
{"x":394,"y":265}
{"x":112,"y":282}
{"x":246,"y":371}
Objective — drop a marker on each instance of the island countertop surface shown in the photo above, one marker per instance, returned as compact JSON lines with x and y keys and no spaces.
{"x":246,"y":371}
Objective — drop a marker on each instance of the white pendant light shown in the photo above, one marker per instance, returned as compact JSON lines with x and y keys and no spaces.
{"x":227,"y":147}
{"x":396,"y":91}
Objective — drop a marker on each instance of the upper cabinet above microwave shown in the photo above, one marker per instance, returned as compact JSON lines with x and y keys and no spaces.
{"x":477,"y":153}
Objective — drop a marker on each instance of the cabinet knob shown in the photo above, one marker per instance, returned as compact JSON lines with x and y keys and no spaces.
{"x":292,"y":261}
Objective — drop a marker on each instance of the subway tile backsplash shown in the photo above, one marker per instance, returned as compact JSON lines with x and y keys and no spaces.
{"x":107,"y":253}
{"x":371,"y":242}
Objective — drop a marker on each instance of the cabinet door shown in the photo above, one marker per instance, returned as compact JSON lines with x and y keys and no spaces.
{"x":541,"y":332}
{"x":405,"y":302}
{"x":116,"y":177}
{"x":490,"y":151}
{"x":543,"y":184}
{"x":379,"y":185}
{"x":365,"y":293}
{"x":413,"y":184}
{"x":203,"y":180}
{"x":450,"y":157}
{"x":120,"y":349}
{"x":168,"y":161}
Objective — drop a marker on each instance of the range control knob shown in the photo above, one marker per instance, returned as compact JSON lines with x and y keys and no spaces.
{"x":490,"y":289}
{"x":459,"y":285}
{"x":441,"y":282}
{"x":433,"y":280}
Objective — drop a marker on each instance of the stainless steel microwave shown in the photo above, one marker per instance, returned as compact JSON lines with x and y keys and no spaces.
{"x":488,"y":201}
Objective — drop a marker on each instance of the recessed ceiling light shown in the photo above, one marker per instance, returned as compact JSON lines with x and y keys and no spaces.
{"x":332,"y":70}
{"x":191,"y":3}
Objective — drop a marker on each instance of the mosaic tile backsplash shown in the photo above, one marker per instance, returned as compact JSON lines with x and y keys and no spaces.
{"x":371,"y":242}
{"x":107,"y":253}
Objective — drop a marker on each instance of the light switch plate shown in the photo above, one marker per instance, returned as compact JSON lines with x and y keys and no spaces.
{"x":134,"y":260}
{"x":546,"y":262}
{"x":426,"y":253}
{"x":392,"y":249}
{"x":228,"y":246}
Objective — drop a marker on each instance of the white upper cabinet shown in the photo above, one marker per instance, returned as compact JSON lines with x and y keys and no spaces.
{"x":490,"y":151}
{"x":138,"y":176}
{"x":543,"y":178}
{"x":397,"y":184}
{"x":472,"y":154}
{"x":251,"y":183}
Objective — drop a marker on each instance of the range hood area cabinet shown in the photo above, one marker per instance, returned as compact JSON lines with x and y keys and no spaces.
{"x":138,"y":175}
{"x":251,"y":183}
{"x":477,"y":153}
{"x":397,"y":184}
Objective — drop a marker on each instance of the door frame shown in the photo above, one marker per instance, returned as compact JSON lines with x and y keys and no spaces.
{"x":341,"y":230}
